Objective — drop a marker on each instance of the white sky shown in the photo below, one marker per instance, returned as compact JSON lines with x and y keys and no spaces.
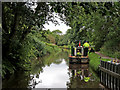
{"x":62,"y":27}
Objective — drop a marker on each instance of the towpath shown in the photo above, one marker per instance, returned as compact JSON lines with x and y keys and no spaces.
{"x":103,"y":56}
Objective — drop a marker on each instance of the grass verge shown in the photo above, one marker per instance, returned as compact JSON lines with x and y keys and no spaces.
{"x":95,"y":61}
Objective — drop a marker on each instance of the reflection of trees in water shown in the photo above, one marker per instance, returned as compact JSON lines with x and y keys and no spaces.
{"x":58,"y":61}
{"x":60,"y":56}
{"x":37,"y":65}
{"x":29,"y":79}
{"x":55,"y":58}
{"x":18,"y":80}
{"x":65,"y":56}
{"x":34,"y":81}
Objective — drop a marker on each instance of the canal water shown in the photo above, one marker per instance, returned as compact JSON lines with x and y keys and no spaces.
{"x":54,"y":71}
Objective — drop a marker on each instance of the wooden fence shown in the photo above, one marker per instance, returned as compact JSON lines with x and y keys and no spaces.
{"x":110,"y":75}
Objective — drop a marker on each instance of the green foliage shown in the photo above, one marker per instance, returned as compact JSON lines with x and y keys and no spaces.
{"x":95,"y":22}
{"x":57,"y":32}
{"x":95,"y":61}
{"x":23,"y":38}
{"x":32,"y":47}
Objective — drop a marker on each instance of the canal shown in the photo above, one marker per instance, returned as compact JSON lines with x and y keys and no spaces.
{"x":53,"y":71}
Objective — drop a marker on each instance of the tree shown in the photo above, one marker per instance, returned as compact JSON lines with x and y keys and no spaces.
{"x":96,"y":22}
{"x":19,"y":22}
{"x":57,"y":32}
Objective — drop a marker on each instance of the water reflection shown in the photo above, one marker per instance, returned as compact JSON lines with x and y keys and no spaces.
{"x":53,"y":76}
{"x":53,"y":71}
{"x":45,"y":66}
{"x":79,"y":70}
{"x":81,"y":77}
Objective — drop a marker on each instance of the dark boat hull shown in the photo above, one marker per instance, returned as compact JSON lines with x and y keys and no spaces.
{"x":79,"y":60}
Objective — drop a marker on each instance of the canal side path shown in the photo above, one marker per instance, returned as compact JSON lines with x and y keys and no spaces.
{"x":103,"y":56}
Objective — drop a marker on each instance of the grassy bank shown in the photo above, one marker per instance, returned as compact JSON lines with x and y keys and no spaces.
{"x":95,"y":61}
{"x":65,"y":47}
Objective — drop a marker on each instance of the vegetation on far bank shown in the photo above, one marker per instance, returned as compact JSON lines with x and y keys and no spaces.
{"x":36,"y":44}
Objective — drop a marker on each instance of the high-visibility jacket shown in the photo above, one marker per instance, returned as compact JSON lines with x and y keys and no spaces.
{"x":79,"y":72}
{"x":86,"y":45}
{"x":86,"y":79}
{"x":78,"y":53}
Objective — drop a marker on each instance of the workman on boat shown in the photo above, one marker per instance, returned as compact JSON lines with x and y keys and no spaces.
{"x":86,"y":46}
{"x":78,"y":53}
